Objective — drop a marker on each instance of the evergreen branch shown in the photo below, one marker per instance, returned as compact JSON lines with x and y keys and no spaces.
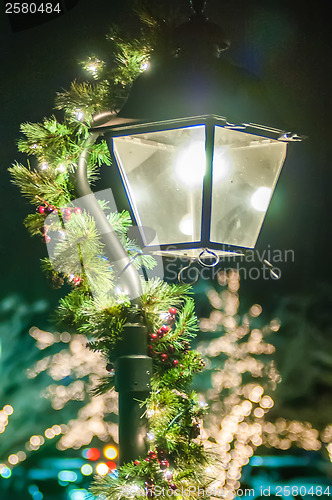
{"x":37,"y":186}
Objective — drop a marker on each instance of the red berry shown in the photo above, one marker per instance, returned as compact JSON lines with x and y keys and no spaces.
{"x":153,"y":336}
{"x":165,"y":329}
{"x":164,"y":464}
{"x":47,"y":238}
{"x":173,"y":487}
{"x":41,"y":209}
{"x":68,"y":210}
{"x":152,"y":455}
{"x":77,"y":210}
{"x":77,"y":280}
{"x":147,"y":460}
{"x":175,"y":362}
{"x":160,"y":333}
{"x":164,"y":357}
{"x":137,"y":462}
{"x":162,"y":454}
{"x":172,"y":311}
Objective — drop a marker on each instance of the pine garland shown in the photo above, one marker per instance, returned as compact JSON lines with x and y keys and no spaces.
{"x":177,"y":458}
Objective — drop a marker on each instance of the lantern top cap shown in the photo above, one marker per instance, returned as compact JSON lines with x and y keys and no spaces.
{"x":118,"y":125}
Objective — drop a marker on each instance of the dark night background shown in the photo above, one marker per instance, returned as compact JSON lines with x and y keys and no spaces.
{"x":286,"y":44}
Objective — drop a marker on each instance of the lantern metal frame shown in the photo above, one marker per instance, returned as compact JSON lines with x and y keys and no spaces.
{"x":123,"y":128}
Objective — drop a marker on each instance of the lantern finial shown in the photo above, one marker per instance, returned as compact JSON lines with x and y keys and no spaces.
{"x":198,"y":7}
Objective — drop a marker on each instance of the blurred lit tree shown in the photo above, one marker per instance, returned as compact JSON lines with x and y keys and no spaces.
{"x":254,"y":371}
{"x":46,"y":386}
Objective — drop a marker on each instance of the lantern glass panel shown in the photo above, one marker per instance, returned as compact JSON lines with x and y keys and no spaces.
{"x":245,"y":170}
{"x":163,"y":173}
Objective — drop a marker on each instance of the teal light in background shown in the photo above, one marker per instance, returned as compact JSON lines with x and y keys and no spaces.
{"x":35,"y":493}
{"x":38,"y":495}
{"x":67,"y":476}
{"x":5,"y":472}
{"x":81,"y":494}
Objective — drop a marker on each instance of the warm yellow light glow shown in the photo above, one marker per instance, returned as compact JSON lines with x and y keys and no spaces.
{"x":110,"y":452}
{"x":21,"y":456}
{"x":8,"y":409}
{"x":259,"y":412}
{"x":35,"y":441}
{"x":92,"y":67}
{"x":255,"y":310}
{"x":222,"y":165}
{"x":56,"y":429}
{"x":13,"y":459}
{"x":190,"y":165}
{"x":49,"y":433}
{"x":102,"y":469}
{"x":267,"y":402}
{"x":261,"y":198}
{"x":187,"y":225}
{"x":256,"y":394}
{"x":86,"y":470}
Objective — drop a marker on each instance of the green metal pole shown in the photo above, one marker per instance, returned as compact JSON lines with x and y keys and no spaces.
{"x":133,"y":369}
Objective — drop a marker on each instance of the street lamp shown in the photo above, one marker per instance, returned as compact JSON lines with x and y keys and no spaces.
{"x":196,"y":148}
{"x":197,"y":183}
{"x":197,"y":153}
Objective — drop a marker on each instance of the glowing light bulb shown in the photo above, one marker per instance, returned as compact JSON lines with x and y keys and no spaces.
{"x":190,"y":165}
{"x":187,"y":225}
{"x":62,"y":168}
{"x":13,"y":459}
{"x":261,"y":198}
{"x":102,"y":469}
{"x":86,"y":470}
{"x":221,"y":165}
{"x":35,"y":441}
{"x":79,"y":115}
{"x":49,"y":433}
{"x":8,"y":409}
{"x":43,"y":166}
{"x":145,"y":66}
{"x":110,"y":452}
{"x":56,"y":429}
{"x":259,"y":412}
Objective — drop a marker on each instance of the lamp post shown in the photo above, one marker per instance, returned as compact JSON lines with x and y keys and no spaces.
{"x":198,"y":158}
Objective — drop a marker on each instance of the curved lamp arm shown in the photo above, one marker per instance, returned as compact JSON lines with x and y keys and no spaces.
{"x":129,"y":279}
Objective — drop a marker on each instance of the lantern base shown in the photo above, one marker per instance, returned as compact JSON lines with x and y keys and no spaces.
{"x":200,"y":254}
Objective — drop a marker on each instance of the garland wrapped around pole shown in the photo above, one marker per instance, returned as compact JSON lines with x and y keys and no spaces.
{"x":176,"y":462}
